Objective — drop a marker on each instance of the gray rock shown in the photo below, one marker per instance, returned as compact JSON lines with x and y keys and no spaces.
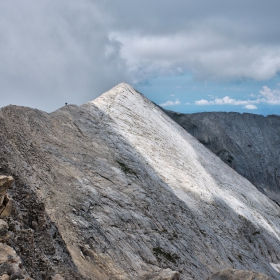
{"x":248,"y":143}
{"x":58,"y":277}
{"x":234,"y":274}
{"x":6,"y":203}
{"x":118,"y":190}
{"x":5,"y":183}
{"x":164,"y":274}
{"x":3,"y":231}
{"x":10,"y":264}
{"x":3,"y":227}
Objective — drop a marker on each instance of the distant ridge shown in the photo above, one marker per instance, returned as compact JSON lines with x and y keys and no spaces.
{"x":248,"y":143}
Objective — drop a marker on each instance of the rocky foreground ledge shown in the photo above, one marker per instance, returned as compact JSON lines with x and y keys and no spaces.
{"x":11,"y":266}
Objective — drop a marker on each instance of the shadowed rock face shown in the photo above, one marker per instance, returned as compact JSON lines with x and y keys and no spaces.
{"x":114,"y":189}
{"x":248,"y":143}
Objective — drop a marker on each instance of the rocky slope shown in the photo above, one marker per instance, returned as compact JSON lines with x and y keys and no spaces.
{"x":248,"y":143}
{"x":114,"y":189}
{"x":11,"y":266}
{"x":234,"y":274}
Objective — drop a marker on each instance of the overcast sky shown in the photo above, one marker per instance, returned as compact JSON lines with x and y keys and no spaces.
{"x":187,"y":56}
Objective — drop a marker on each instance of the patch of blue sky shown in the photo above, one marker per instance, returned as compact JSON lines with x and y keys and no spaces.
{"x":184,"y":90}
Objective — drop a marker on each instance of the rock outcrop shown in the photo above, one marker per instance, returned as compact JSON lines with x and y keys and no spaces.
{"x":234,"y":274}
{"x":10,"y":263}
{"x":114,"y":189}
{"x":5,"y":202}
{"x":248,"y":143}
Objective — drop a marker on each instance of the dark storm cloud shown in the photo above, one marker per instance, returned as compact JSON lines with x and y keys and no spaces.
{"x":53,"y":52}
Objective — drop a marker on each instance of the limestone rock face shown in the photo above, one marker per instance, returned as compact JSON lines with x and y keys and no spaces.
{"x":58,"y":277}
{"x":246,"y":142}
{"x":5,"y":183}
{"x":4,"y":235}
{"x":114,"y":189}
{"x":10,"y":264}
{"x":164,"y":274}
{"x":5,"y":202}
{"x":233,"y":274}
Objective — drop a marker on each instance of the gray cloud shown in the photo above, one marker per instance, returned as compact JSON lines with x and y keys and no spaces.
{"x":215,"y":40}
{"x":207,"y":56}
{"x":53,"y":52}
{"x":254,"y":18}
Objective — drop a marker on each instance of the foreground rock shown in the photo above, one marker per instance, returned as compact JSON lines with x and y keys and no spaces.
{"x":5,"y":201}
{"x":114,"y":189}
{"x":10,"y":263}
{"x":163,"y":274}
{"x":246,"y":142}
{"x":233,"y":274}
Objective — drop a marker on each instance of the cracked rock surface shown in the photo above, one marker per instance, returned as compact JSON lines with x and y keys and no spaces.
{"x":10,"y":263}
{"x":114,"y":189}
{"x":248,"y":143}
{"x":234,"y":274}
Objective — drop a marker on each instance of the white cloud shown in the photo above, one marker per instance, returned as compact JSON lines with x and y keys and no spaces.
{"x":270,"y":96}
{"x":221,"y":58}
{"x":251,"y":107}
{"x":266,"y":96}
{"x":170,"y":103}
{"x":203,"y":102}
{"x":223,"y":101}
{"x":172,"y":94}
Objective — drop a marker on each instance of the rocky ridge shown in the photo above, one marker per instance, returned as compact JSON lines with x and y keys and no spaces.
{"x":114,"y":189}
{"x":248,"y":143}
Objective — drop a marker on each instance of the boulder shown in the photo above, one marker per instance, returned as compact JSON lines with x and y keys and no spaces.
{"x":3,"y":230}
{"x":58,"y":277}
{"x":234,"y":274}
{"x":5,"y":183}
{"x":163,"y":274}
{"x":5,"y":202}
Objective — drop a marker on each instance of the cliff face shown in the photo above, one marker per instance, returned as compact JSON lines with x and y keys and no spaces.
{"x":114,"y":189}
{"x":248,"y":143}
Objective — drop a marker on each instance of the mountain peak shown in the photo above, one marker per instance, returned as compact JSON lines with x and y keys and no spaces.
{"x":122,"y":85}
{"x":120,"y":88}
{"x":130,"y":195}
{"x":122,"y":94}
